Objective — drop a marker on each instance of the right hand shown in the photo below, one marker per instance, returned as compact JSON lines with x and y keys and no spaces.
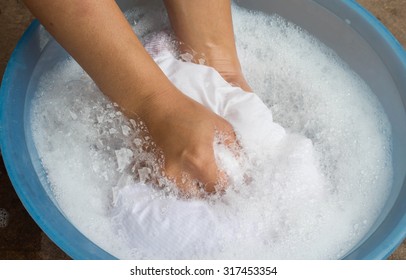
{"x":185,"y":132}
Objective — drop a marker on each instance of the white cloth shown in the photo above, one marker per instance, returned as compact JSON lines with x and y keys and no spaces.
{"x":171,"y":228}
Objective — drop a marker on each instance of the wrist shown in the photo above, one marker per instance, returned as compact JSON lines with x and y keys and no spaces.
{"x":154,"y":107}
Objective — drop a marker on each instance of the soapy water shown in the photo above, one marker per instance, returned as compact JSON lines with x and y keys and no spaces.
{"x":315,"y":198}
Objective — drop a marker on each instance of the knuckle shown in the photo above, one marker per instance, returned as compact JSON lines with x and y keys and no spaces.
{"x":197,"y":160}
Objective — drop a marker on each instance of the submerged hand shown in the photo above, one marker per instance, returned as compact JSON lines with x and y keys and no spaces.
{"x":185,"y":131}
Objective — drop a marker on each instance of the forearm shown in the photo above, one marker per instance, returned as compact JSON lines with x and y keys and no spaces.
{"x":205,"y":29}
{"x":97,"y":35}
{"x":205,"y":26}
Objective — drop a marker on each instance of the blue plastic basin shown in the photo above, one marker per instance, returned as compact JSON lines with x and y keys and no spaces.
{"x":356,"y":36}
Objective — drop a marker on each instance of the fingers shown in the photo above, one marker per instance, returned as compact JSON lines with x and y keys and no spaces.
{"x":196,"y":172}
{"x":210,"y":180}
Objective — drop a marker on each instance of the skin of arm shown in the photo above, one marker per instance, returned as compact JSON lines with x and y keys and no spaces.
{"x":205,"y":29}
{"x":97,"y":35}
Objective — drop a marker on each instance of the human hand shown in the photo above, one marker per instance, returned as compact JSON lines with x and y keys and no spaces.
{"x":185,"y":131}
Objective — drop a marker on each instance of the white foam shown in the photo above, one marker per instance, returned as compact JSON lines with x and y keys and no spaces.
{"x":290,"y":204}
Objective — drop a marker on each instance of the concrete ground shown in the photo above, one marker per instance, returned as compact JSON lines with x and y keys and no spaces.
{"x":21,"y":238}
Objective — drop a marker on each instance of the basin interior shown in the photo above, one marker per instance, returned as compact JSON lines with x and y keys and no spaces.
{"x":343,"y":26}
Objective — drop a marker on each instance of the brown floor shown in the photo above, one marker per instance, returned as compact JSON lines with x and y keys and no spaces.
{"x":20,"y":237}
